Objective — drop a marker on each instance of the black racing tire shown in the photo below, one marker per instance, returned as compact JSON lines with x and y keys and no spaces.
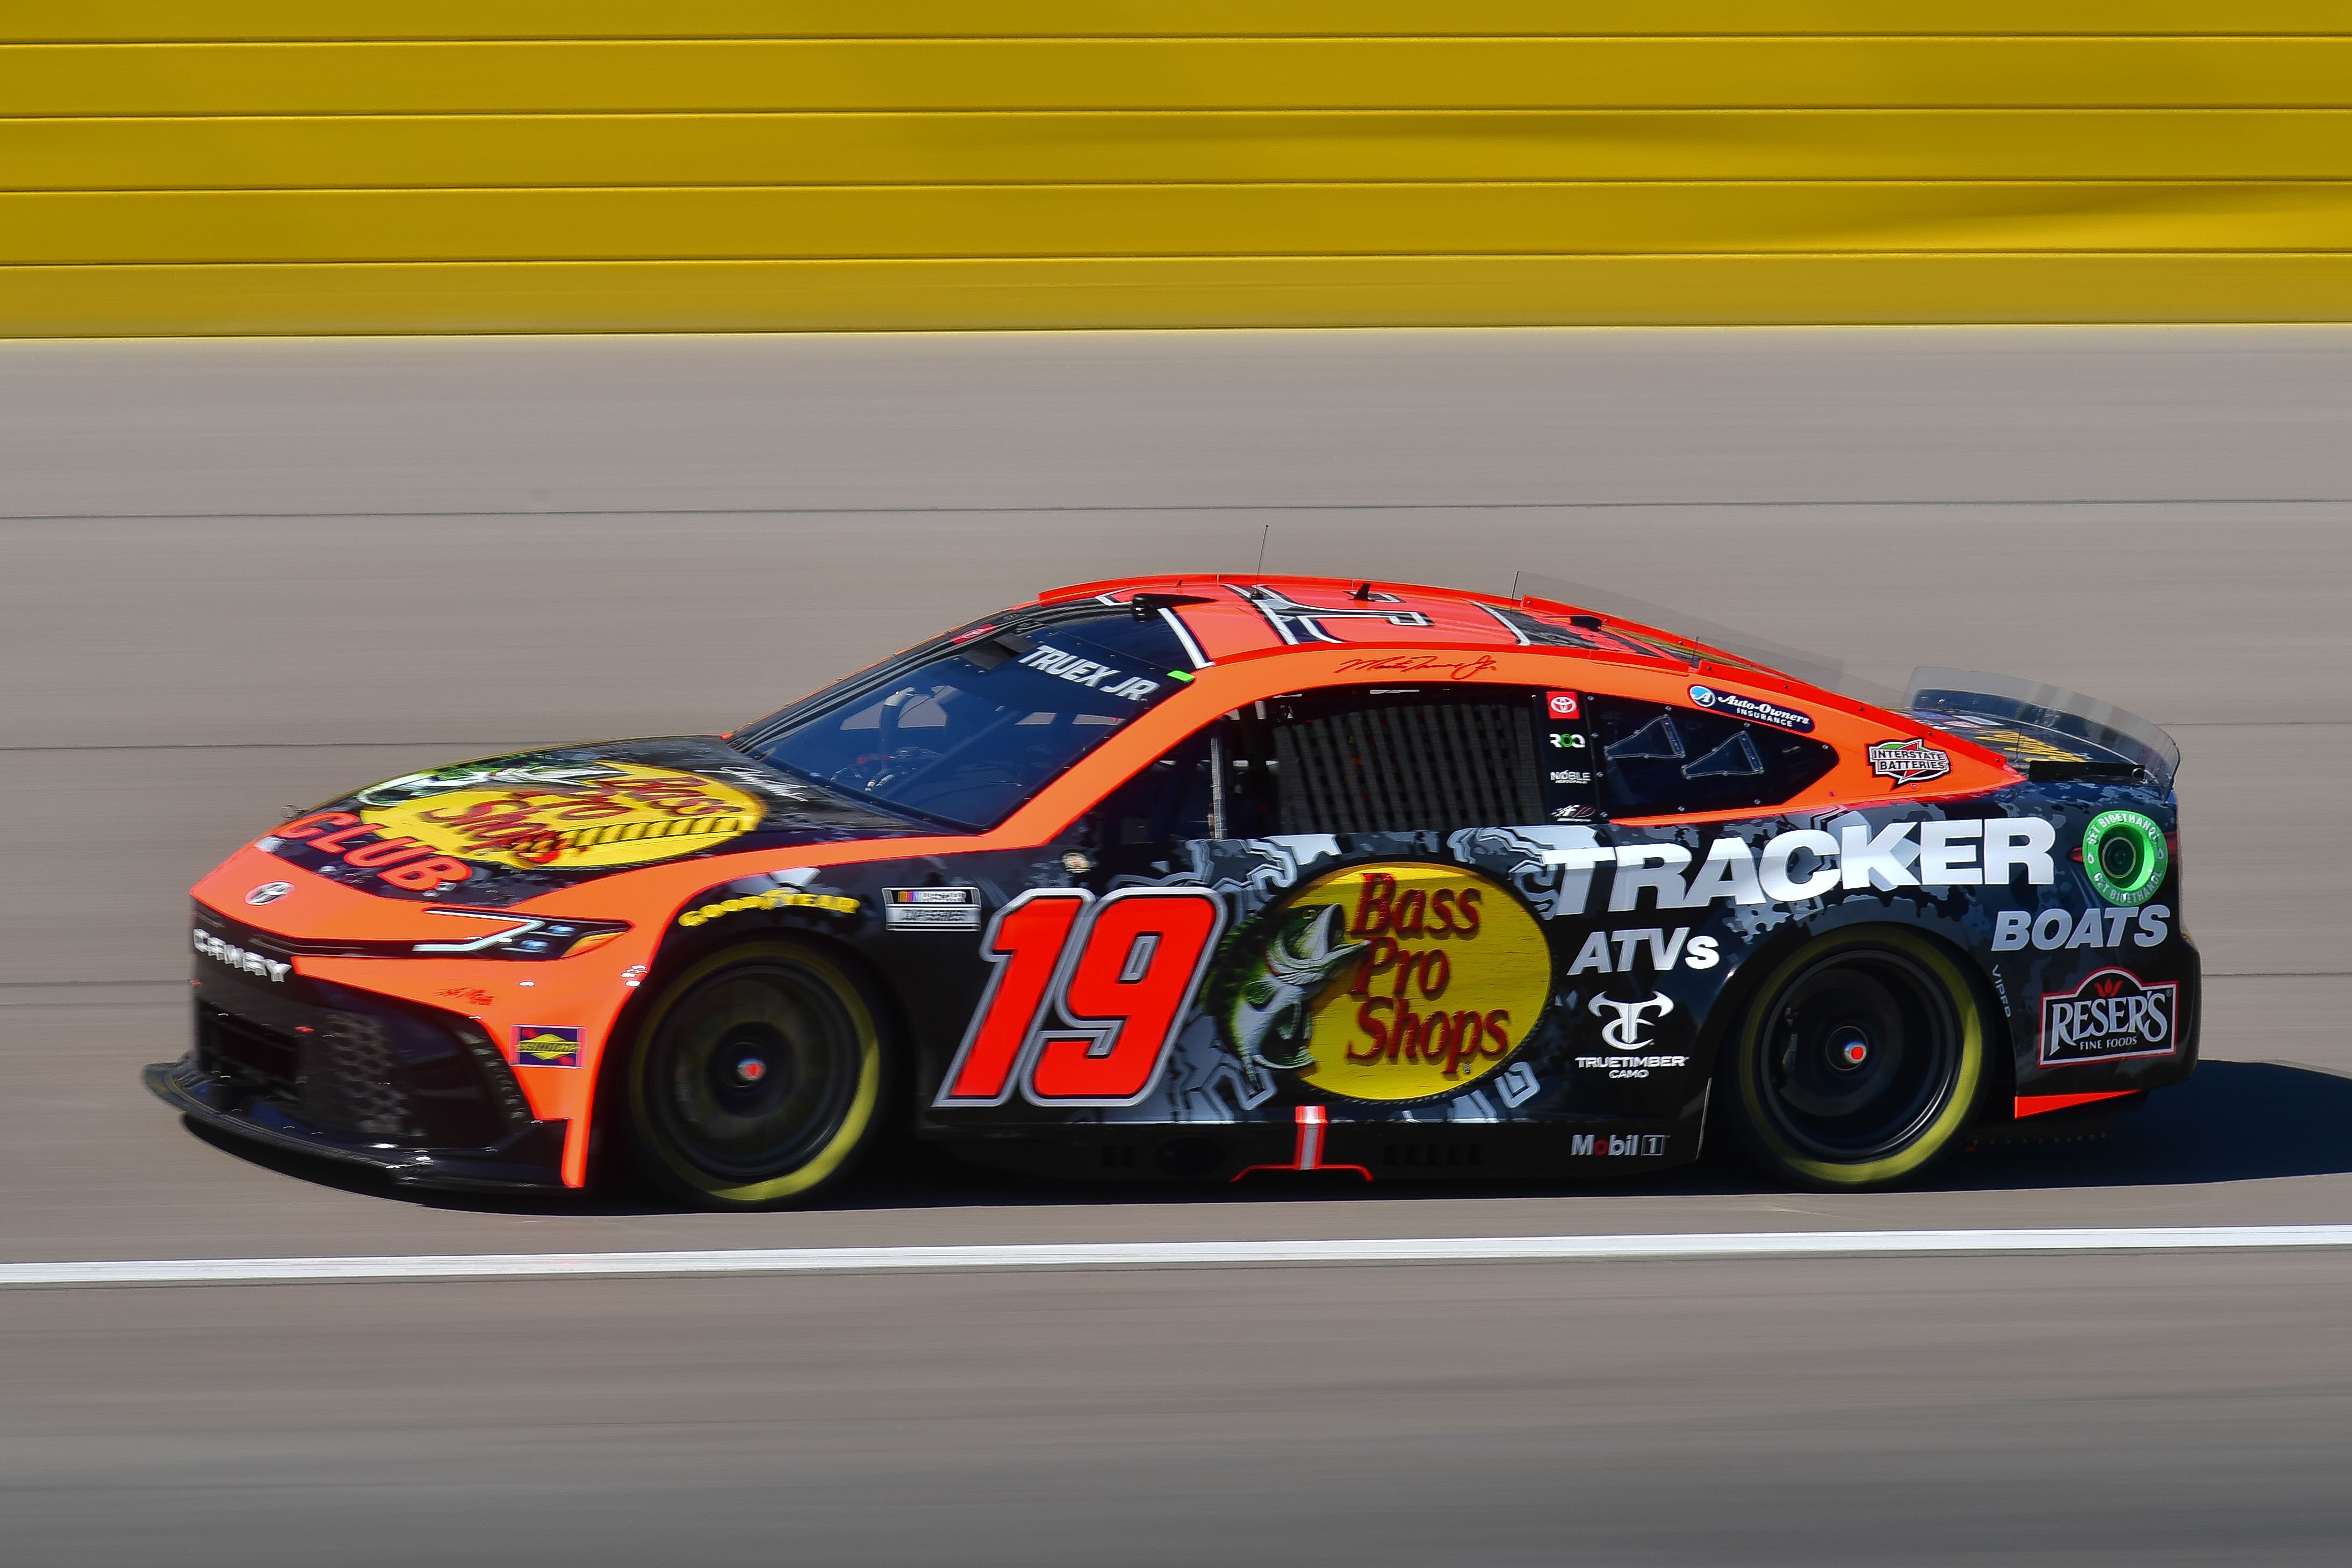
{"x":1860,"y":1061}
{"x":757,"y":1080}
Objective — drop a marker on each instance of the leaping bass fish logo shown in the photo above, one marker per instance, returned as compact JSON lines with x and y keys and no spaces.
{"x":1269,"y":1018}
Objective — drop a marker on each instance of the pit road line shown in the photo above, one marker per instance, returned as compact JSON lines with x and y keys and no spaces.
{"x":1145,"y":1253}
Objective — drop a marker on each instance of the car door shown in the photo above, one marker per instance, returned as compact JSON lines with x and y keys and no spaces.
{"x":1379,"y":853}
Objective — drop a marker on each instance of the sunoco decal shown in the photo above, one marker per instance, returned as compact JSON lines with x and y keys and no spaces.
{"x":2113,"y":1014}
{"x":1755,"y":710}
{"x":547,"y":1045}
{"x":1383,"y":983}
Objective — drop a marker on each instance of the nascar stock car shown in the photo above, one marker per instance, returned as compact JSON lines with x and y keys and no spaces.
{"x":1184,"y":878}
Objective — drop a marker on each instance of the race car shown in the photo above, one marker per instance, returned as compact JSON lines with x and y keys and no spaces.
{"x":1202,"y":877}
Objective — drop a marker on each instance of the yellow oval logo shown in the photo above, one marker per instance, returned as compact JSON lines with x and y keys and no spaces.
{"x":626,"y":815}
{"x":1386,"y":983}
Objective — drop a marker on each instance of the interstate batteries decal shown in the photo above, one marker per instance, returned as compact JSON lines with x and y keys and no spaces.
{"x":562,"y":814}
{"x":1383,"y":983}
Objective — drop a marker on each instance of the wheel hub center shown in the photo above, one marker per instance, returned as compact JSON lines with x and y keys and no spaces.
{"x":1849,"y":1049}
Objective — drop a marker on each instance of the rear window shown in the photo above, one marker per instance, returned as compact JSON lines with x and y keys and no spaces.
{"x":967,"y":734}
{"x":1661,"y":759}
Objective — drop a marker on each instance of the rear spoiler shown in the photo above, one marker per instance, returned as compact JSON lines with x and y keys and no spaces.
{"x":2133,"y":741}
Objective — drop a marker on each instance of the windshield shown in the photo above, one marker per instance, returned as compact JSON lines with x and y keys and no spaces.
{"x":966,"y":735}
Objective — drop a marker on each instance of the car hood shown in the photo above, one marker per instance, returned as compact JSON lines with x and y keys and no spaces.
{"x":528,"y":823}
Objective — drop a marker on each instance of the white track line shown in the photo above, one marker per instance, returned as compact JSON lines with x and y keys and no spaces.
{"x":1115,"y":1254}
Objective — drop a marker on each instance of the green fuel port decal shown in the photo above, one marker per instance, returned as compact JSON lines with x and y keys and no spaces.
{"x":2125,"y":854}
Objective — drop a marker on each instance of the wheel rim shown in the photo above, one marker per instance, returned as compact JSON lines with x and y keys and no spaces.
{"x":754,"y":1074}
{"x":1861,"y":1055}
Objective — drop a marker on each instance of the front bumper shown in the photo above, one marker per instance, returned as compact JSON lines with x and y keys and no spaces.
{"x":530,"y":1158}
{"x":330,"y":1071}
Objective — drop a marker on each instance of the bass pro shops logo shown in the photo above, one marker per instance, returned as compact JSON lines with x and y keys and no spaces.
{"x":601,"y":814}
{"x":2113,"y":1014}
{"x":1383,"y":983}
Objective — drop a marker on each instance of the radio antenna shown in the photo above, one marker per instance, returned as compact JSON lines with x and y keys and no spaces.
{"x":1261,"y":547}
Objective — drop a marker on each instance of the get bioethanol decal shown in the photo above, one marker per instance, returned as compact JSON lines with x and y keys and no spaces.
{"x":2124,"y":854}
{"x":1385,"y":982}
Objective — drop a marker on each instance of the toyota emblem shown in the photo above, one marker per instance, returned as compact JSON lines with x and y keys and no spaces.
{"x":269,"y":892}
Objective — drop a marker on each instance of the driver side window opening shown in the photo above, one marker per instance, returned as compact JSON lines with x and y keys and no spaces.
{"x":1403,"y":761}
{"x":1347,"y":760}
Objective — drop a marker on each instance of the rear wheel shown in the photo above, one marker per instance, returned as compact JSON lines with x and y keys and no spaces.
{"x":1860,"y":1062}
{"x":757,"y":1078}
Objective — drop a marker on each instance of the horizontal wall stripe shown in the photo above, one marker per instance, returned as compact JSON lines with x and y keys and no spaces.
{"x":1170,"y":73}
{"x":1169,"y":292}
{"x":995,"y":147}
{"x":249,"y":20}
{"x":807,"y":164}
{"x":923,"y":222}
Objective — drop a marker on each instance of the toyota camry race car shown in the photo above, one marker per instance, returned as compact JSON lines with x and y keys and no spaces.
{"x":1191,"y":877}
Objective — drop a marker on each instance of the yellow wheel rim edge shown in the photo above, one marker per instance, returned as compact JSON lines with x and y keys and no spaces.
{"x":827,"y":1160}
{"x":1948,"y":1122}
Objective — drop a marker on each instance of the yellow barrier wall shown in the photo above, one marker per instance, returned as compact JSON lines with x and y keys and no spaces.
{"x":521,"y":165}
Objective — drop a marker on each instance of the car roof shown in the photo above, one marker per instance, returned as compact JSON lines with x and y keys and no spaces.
{"x":1231,"y":617}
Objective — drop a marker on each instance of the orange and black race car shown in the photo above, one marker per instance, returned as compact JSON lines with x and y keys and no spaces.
{"x":1186,"y":877}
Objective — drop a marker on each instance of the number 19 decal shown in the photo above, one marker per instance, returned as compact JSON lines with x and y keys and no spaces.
{"x":1086,"y":996}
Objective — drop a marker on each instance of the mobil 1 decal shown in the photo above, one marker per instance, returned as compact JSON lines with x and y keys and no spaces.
{"x":1388,"y":982}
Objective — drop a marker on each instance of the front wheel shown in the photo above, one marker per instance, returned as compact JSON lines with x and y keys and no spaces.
{"x":756,"y":1080}
{"x":1860,"y":1062}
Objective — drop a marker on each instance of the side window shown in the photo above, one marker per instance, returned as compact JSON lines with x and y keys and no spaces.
{"x":1215,"y":784}
{"x":1660,"y":759}
{"x":1350,"y":759}
{"x":1357,"y":760}
{"x":1167,"y":802}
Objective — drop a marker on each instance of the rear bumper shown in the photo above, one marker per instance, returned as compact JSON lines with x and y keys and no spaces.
{"x":529,"y":1157}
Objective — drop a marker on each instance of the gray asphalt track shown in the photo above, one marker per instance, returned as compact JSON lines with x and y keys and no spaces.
{"x":239,"y":576}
